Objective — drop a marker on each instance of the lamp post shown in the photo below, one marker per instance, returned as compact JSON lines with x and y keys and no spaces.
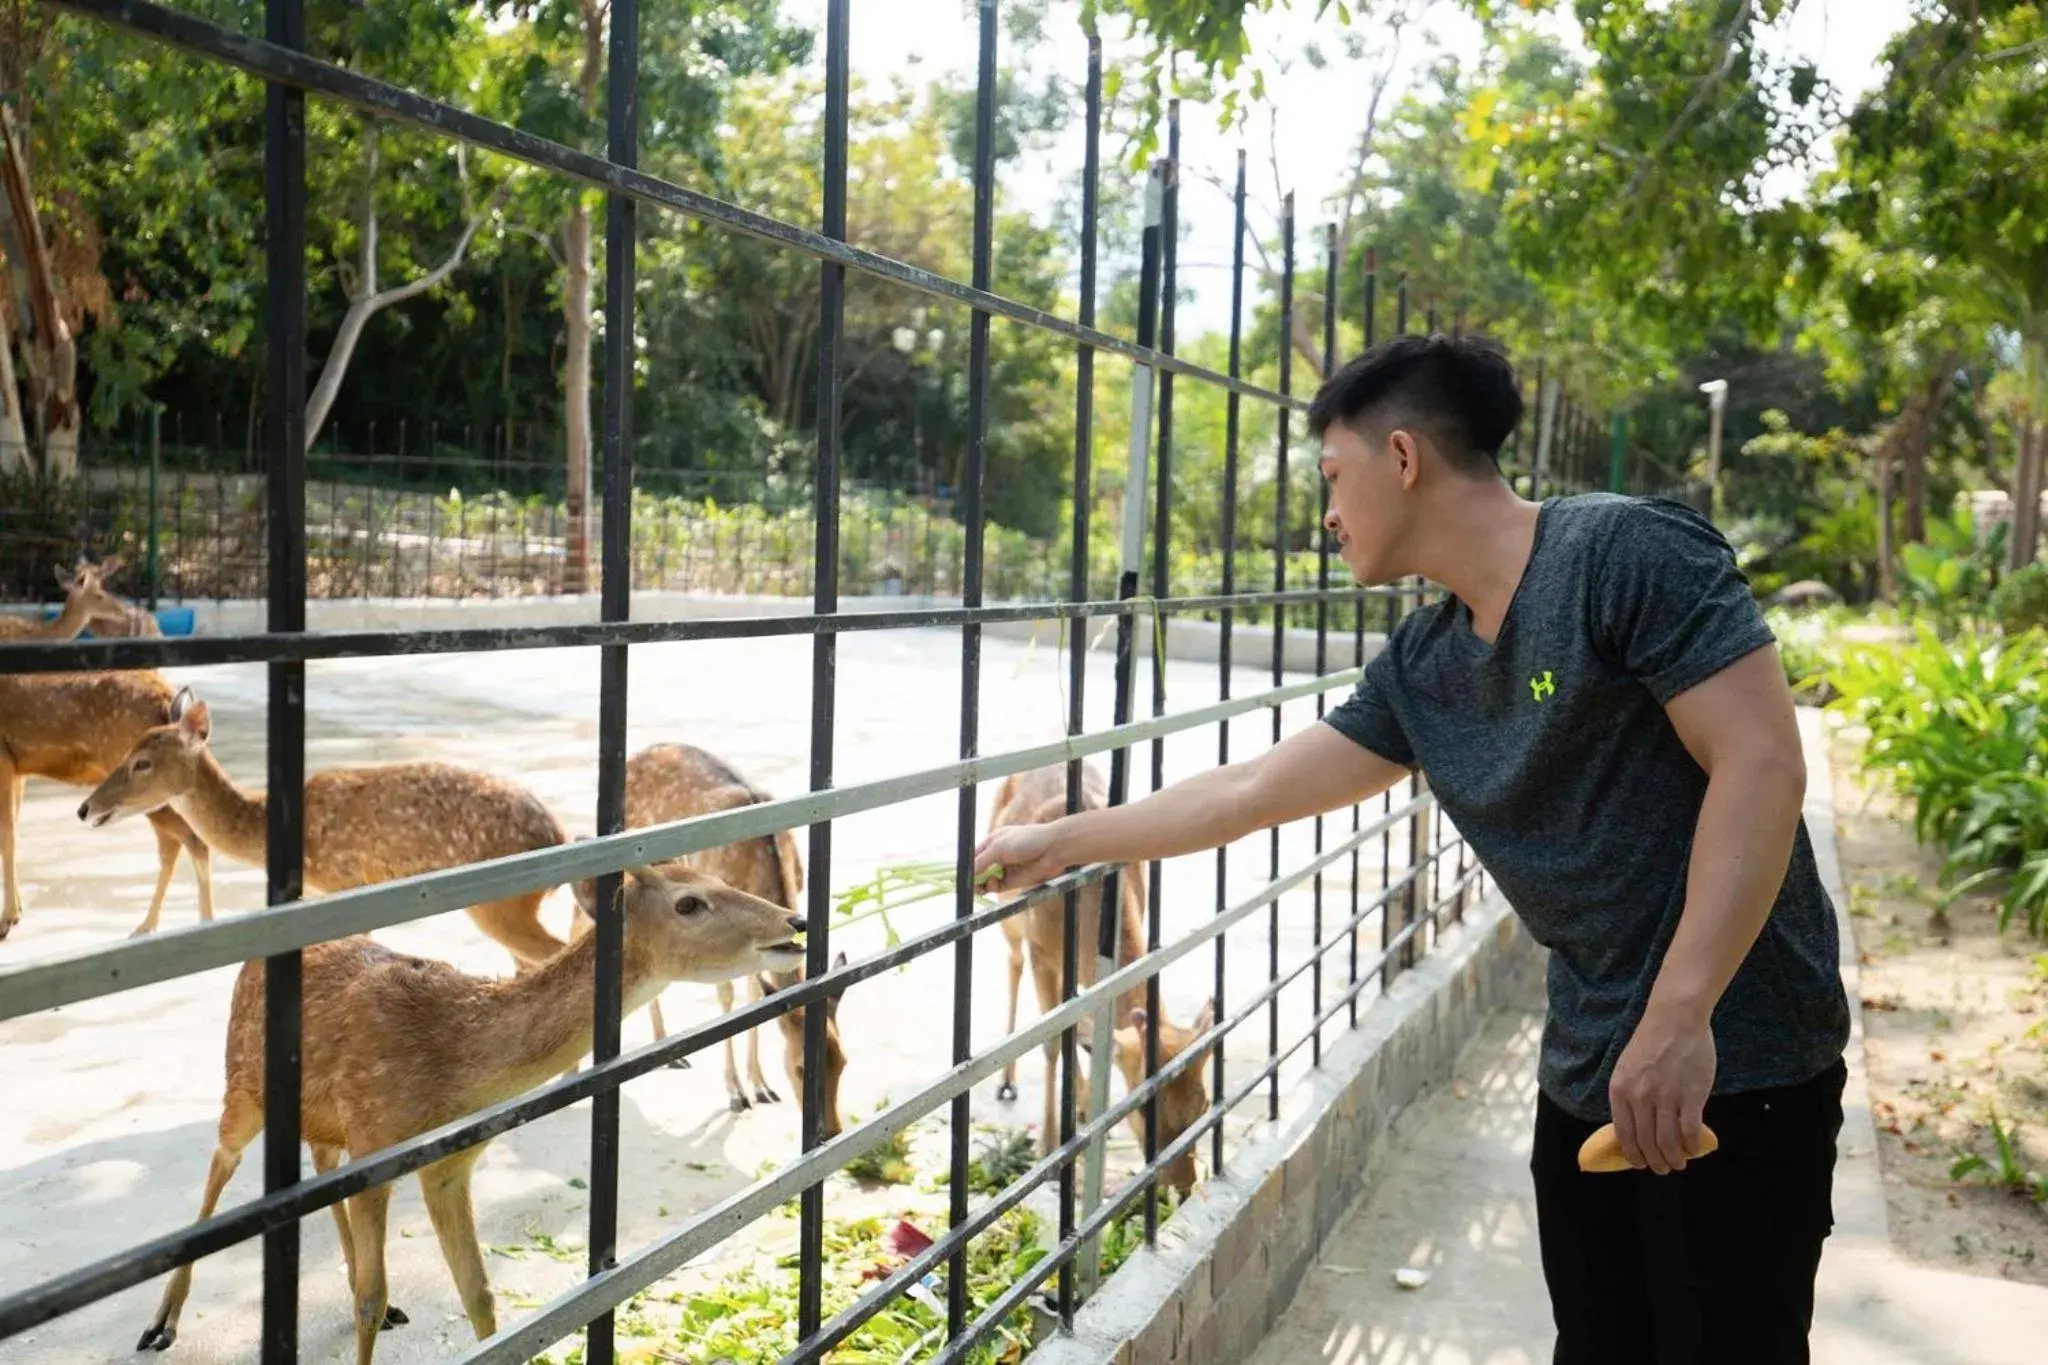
{"x":1716,"y":391}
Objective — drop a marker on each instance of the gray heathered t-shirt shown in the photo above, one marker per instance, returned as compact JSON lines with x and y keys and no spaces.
{"x":1551,"y":752}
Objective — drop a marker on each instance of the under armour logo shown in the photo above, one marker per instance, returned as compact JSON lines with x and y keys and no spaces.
{"x":1542,"y":687}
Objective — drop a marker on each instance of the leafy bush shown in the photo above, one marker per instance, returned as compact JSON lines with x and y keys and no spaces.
{"x":2020,"y":603}
{"x":1807,"y":646}
{"x":1948,"y":578}
{"x":1955,"y":726}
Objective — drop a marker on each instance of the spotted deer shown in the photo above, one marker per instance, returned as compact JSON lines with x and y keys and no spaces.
{"x":396,"y":1045}
{"x":1040,"y":797}
{"x":667,"y":782}
{"x":362,"y":825}
{"x":76,"y":728}
{"x":86,"y":603}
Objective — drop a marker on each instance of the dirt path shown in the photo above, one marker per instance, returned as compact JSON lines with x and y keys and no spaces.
{"x":1956,"y":1026}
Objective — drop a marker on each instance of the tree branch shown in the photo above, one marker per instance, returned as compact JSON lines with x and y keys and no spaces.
{"x":1706,"y":87}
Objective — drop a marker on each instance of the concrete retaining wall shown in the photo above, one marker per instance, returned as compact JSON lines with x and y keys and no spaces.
{"x":1194,"y":640}
{"x":1232,"y":1257}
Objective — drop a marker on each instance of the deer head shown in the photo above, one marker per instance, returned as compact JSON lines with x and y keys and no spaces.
{"x":1182,"y":1100}
{"x":686,"y":926}
{"x":85,"y":586}
{"x":792,"y":1026}
{"x":163,"y":766}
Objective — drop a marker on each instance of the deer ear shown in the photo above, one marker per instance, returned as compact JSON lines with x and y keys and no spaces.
{"x":179,"y":702}
{"x":195,"y":723}
{"x":65,"y":577}
{"x":1206,"y":1020}
{"x":111,"y":565}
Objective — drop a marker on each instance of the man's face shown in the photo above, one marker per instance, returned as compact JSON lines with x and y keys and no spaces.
{"x":1365,"y":499}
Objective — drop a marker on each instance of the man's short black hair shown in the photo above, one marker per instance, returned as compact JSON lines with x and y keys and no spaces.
{"x":1461,"y":392}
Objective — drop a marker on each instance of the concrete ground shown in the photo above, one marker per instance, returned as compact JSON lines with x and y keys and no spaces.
{"x":107,"y":1109}
{"x":1454,"y":1200}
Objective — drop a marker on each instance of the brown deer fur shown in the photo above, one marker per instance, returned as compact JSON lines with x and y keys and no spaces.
{"x":362,"y":825}
{"x":1040,"y":797}
{"x":76,"y":728}
{"x":668,"y":782}
{"x":397,"y":1045}
{"x":86,"y":602}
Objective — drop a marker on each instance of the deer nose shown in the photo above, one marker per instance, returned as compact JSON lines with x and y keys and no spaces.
{"x":796,"y":924}
{"x":85,"y":810}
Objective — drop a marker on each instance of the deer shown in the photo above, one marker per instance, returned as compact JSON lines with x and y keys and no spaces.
{"x":362,"y":825}
{"x":396,"y":1045}
{"x":76,"y":728}
{"x":86,"y":603}
{"x":666,"y":782}
{"x":1037,"y":934}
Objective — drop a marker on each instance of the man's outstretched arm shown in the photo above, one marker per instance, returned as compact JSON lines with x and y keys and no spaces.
{"x":1311,"y":772}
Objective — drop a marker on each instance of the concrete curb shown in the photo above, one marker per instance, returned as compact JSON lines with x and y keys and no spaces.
{"x":1230,"y":1260}
{"x":1860,"y":1218}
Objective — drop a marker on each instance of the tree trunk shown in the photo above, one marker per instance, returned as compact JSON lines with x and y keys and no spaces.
{"x":2026,"y":494}
{"x":13,"y":431}
{"x":1887,"y":585}
{"x":1913,"y":472}
{"x":48,"y":353}
{"x":576,"y":395}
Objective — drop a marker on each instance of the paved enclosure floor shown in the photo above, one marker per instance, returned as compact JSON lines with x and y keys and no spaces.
{"x":1454,"y":1199}
{"x":110,"y":1106}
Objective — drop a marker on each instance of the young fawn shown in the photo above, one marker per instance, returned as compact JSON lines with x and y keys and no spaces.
{"x":76,"y":728}
{"x":666,"y":782}
{"x":1040,"y":797}
{"x":396,"y":1046}
{"x":362,"y":825}
{"x":86,"y":602}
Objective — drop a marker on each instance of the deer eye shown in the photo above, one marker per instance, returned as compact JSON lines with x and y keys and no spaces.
{"x":143,"y":765}
{"x":690,"y":905}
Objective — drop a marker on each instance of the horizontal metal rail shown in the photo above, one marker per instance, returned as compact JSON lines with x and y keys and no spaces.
{"x":157,"y":651}
{"x":69,"y":978}
{"x":284,"y":66}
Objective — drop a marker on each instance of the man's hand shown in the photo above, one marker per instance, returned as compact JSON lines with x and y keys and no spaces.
{"x":1024,"y":854}
{"x":1659,"y":1090}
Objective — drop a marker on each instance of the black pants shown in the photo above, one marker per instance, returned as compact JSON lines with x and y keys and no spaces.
{"x":1707,"y":1266}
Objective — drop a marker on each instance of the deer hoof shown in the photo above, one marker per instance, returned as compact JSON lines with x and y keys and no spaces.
{"x":763,"y":1095}
{"x":158,"y":1338}
{"x":5,"y":925}
{"x":1007,"y":1093}
{"x":739,"y":1104}
{"x":394,"y":1316}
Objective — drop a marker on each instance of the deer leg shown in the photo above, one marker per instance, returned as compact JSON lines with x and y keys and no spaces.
{"x":445,"y":1187}
{"x":202,"y":875}
{"x":168,"y":846}
{"x":661,"y":1032}
{"x":241,"y":1120}
{"x":515,"y":923}
{"x":11,"y":785}
{"x":1046,"y":977}
{"x":367,"y":1216}
{"x":325,"y":1159}
{"x":1007,"y":1091}
{"x":762,"y":1093}
{"x":735,"y":1098}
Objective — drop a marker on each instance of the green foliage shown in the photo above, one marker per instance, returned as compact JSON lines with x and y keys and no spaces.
{"x":2010,"y":1171}
{"x":1948,"y":578}
{"x":1808,"y":646}
{"x":2020,"y":603}
{"x":1956,"y":727}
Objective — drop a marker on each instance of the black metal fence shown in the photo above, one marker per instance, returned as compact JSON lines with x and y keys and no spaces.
{"x":1425,"y":876}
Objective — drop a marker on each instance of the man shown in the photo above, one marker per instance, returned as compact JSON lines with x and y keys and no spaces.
{"x":1599,"y":707}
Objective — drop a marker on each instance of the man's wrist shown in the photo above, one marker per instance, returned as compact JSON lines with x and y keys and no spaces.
{"x":1679,"y":1005}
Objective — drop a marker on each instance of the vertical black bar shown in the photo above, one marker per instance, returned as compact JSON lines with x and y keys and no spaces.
{"x":1162,"y":537}
{"x":1401,"y":307}
{"x":1280,"y":547}
{"x":970,"y":640}
{"x":1223,"y":659}
{"x":1372,"y":313}
{"x":1322,"y":634}
{"x":824,"y":658}
{"x":284,"y":166}
{"x":615,"y":604}
{"x":1430,"y":328}
{"x":1077,"y":655}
